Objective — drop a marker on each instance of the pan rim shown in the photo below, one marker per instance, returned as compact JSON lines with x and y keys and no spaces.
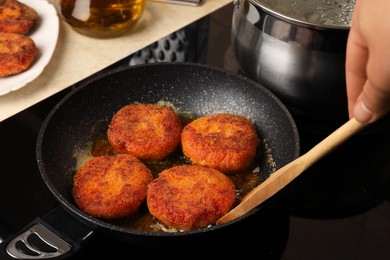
{"x":94,"y":222}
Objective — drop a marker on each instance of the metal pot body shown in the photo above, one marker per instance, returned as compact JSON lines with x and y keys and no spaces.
{"x":303,"y":64}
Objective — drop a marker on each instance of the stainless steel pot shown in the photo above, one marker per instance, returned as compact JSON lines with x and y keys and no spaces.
{"x":302,"y":62}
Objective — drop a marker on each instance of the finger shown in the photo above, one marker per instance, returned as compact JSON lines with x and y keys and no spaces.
{"x":372,"y":104}
{"x":356,"y":60}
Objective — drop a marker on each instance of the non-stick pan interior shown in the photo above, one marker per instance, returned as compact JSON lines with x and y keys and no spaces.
{"x":84,"y":114}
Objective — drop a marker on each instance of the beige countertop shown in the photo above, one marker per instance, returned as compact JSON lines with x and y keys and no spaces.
{"x":77,"y":57}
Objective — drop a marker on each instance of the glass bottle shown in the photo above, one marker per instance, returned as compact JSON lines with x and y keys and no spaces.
{"x":102,"y":18}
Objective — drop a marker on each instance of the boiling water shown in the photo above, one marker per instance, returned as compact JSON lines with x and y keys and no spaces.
{"x":319,"y":12}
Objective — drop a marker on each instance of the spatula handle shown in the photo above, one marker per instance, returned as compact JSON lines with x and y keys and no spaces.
{"x":289,"y":172}
{"x":331,"y":142}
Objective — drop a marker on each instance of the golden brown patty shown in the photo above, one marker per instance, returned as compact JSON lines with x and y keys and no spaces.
{"x":190,"y":196}
{"x":111,"y":186}
{"x":17,"y":53}
{"x":148,"y":131}
{"x":16,"y":17}
{"x":222,"y":141}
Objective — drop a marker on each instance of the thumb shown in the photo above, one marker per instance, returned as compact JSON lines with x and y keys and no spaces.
{"x":372,"y":104}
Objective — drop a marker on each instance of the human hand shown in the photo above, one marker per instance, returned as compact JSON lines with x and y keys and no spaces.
{"x":368,"y":61}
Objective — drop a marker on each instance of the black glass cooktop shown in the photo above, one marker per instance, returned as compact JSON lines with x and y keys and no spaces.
{"x":350,"y":180}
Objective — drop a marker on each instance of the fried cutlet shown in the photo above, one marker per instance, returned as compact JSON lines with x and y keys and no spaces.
{"x":17,"y":53}
{"x":225,"y":142}
{"x":16,"y":17}
{"x":111,"y":187}
{"x":189,"y":197}
{"x":148,"y":131}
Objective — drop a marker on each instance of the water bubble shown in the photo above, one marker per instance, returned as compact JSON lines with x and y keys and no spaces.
{"x":319,"y":12}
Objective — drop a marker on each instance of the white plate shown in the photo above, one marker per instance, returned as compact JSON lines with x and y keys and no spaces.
{"x":45,"y":36}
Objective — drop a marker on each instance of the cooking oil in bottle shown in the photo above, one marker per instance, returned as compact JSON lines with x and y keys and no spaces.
{"x":102,"y":18}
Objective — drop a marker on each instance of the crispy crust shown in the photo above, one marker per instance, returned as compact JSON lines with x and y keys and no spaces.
{"x":148,"y":131}
{"x":17,"y":53}
{"x":222,"y":141}
{"x":111,"y":186}
{"x":190,"y":196}
{"x":16,"y":17}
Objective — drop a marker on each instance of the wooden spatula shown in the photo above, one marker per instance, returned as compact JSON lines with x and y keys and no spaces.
{"x":290,"y":171}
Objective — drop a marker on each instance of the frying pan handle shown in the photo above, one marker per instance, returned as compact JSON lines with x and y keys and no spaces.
{"x":36,"y":242}
{"x":57,"y":236}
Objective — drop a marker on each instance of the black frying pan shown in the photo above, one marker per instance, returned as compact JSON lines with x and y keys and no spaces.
{"x":81,"y":116}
